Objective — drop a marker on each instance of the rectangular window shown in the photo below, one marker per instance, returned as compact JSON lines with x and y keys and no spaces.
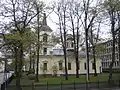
{"x":69,"y":66}
{"x":114,"y":64}
{"x":110,"y":57}
{"x":117,"y":63}
{"x":106,"y":64}
{"x":45,"y":66}
{"x":72,"y":44}
{"x":85,"y":65}
{"x":45,"y":51}
{"x":117,"y":57}
{"x":67,"y":44}
{"x":45,"y":37}
{"x":60,"y":66}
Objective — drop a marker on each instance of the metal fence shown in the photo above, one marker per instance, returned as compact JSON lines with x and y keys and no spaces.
{"x":73,"y":86}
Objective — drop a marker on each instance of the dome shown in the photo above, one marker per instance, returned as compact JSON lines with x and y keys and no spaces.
{"x":45,"y":28}
{"x":57,"y":50}
{"x":82,"y":53}
{"x":57,"y":46}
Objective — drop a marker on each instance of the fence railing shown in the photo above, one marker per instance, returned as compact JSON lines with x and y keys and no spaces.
{"x":73,"y":86}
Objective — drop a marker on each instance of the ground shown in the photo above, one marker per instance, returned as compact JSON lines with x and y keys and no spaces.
{"x":54,"y":83}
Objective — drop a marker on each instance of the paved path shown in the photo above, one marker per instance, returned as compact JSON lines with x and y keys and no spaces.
{"x":4,"y":77}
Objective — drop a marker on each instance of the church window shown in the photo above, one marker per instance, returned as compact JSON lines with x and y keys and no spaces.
{"x":45,"y":37}
{"x":45,"y":66}
{"x":85,"y":66}
{"x":60,"y":65}
{"x":72,"y":44}
{"x":67,"y":44}
{"x":69,"y":66}
{"x":45,"y":51}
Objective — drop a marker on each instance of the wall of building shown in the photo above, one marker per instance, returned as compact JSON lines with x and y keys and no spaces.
{"x":106,"y":56}
{"x":54,"y":60}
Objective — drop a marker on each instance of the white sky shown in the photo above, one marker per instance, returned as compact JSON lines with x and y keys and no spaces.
{"x":53,"y":18}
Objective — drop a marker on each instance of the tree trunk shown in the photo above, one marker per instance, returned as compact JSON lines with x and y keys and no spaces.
{"x":75,"y":46}
{"x":86,"y":6}
{"x":64,"y":50}
{"x":93,"y":52}
{"x":16,"y":60}
{"x":77,"y":66}
{"x":113,"y":60}
{"x":18,"y":87}
{"x":113,"y":46}
{"x":65,"y":57}
{"x":87,"y":55}
{"x":16,"y":66}
{"x":30,"y":59}
{"x":76,"y":52}
{"x":34,"y":62}
{"x":19,"y":68}
{"x":94,"y":63}
{"x":17,"y":73}
{"x":38,"y":47}
{"x":77,"y":55}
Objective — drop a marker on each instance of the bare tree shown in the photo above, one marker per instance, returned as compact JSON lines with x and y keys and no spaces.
{"x":75,"y":16}
{"x":62,"y":15}
{"x":90,"y":13}
{"x":94,"y":38}
{"x":38,"y":7}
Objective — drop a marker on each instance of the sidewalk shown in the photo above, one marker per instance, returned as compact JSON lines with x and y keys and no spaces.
{"x":4,"y":77}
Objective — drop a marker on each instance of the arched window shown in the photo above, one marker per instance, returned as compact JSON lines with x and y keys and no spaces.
{"x":72,"y":44}
{"x":44,"y":65}
{"x":45,"y":37}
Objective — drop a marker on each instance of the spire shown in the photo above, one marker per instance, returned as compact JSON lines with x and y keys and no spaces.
{"x":44,"y":19}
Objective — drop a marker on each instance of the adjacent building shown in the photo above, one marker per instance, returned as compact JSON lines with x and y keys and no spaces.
{"x":106,"y":56}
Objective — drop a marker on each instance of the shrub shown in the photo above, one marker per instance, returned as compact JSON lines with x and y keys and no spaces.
{"x":24,"y":75}
{"x":31,"y":76}
{"x":31,"y":71}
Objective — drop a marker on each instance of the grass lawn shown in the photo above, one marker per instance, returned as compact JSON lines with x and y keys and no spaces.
{"x":57,"y":80}
{"x":71,"y":79}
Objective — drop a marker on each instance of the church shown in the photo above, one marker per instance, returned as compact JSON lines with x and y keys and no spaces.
{"x":52,"y":55}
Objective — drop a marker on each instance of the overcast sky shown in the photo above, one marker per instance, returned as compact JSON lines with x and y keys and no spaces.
{"x":53,"y":18}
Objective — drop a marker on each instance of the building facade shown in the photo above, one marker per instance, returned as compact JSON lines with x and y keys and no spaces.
{"x":106,"y":56}
{"x":52,"y":55}
{"x":54,"y":64}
